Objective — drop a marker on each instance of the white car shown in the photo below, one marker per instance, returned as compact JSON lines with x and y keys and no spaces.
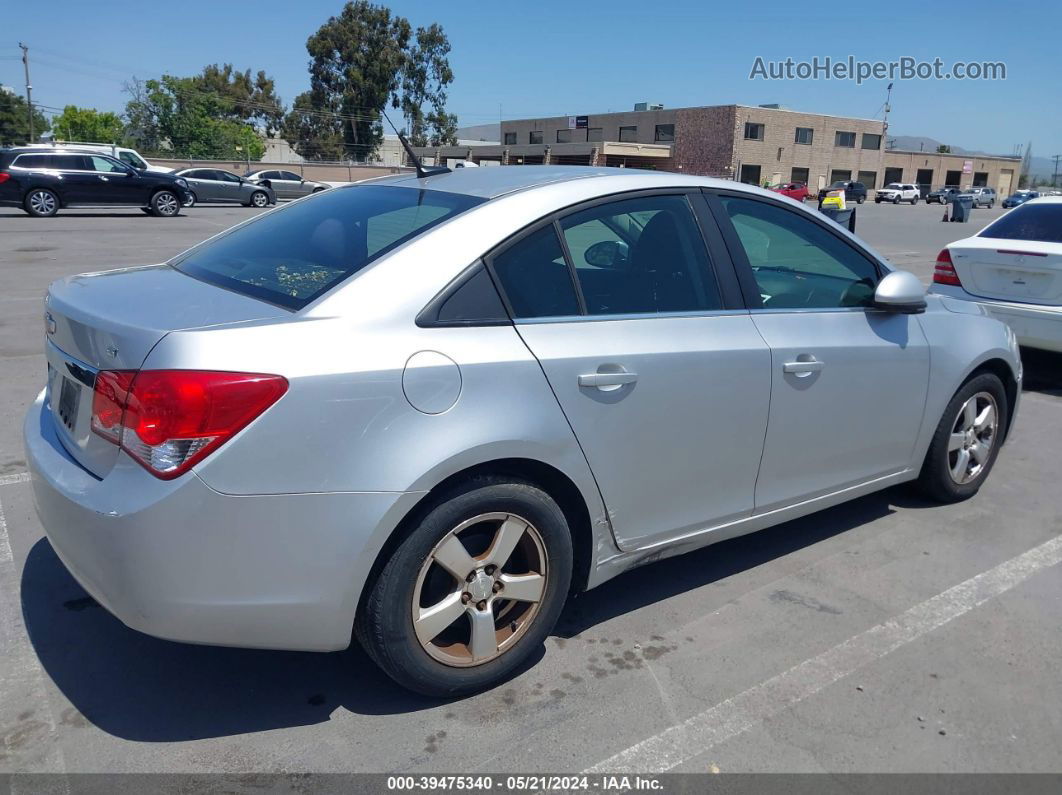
{"x":1012,"y":268}
{"x":130,"y":157}
{"x":897,"y":192}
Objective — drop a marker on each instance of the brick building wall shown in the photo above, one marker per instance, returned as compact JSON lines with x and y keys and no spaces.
{"x":704,"y":141}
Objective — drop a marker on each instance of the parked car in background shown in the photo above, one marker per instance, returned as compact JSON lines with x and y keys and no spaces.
{"x":853,"y":191}
{"x":982,"y":197}
{"x":897,"y":192}
{"x":1020,"y":197}
{"x":286,"y":184}
{"x":942,"y":195}
{"x":218,"y":185}
{"x":1012,"y":268}
{"x":382,"y":407}
{"x":794,"y":190}
{"x":43,"y":182}
{"x":128,"y":156}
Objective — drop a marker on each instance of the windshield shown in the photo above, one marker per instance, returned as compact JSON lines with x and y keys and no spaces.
{"x":893,"y":186}
{"x":1028,"y":222}
{"x":294,"y":255}
{"x":839,"y":185}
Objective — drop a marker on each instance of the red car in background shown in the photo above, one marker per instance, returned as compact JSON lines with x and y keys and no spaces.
{"x":794,"y":190}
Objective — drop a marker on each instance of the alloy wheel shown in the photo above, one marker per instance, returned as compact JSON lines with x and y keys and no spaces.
{"x":972,"y":436}
{"x":42,"y":202}
{"x":167,"y":204}
{"x":259,"y":199}
{"x":480,"y":589}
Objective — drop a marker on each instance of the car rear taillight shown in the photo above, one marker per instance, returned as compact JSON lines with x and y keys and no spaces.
{"x":170,"y":420}
{"x":4,"y":177}
{"x":944,"y":272}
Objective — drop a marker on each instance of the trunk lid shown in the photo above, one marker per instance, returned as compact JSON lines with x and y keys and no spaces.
{"x":1023,"y":271}
{"x":111,"y":321}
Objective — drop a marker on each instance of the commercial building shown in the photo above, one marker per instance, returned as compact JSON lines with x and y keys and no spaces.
{"x":754,"y":144}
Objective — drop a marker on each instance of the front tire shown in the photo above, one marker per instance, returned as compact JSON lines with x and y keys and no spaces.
{"x":258,"y":199}
{"x":41,"y":203}
{"x":861,"y":199}
{"x":437,"y":618}
{"x":967,"y":440}
{"x":896,"y":199}
{"x":165,"y":204}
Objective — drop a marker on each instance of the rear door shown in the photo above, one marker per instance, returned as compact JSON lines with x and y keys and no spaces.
{"x":848,"y":381}
{"x":201,"y":183}
{"x":288,"y":184}
{"x":1016,"y":258}
{"x":658,"y":368}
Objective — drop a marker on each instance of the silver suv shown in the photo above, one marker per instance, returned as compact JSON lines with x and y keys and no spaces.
{"x":982,"y":197}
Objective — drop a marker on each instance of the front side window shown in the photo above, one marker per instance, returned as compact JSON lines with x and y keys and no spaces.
{"x":290,"y":175}
{"x":131,"y":159}
{"x":225,"y":176}
{"x":106,"y":165}
{"x":798,"y":264}
{"x":641,"y":255}
{"x":296,"y":254}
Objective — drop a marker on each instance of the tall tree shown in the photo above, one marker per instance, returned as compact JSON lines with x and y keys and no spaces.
{"x":425,"y":76}
{"x":14,"y":120}
{"x":88,"y":124}
{"x":316,"y":134}
{"x":176,"y":115}
{"x":247,"y":99}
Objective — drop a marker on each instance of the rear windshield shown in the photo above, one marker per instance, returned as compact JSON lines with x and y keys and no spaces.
{"x":294,"y":255}
{"x":1028,"y":222}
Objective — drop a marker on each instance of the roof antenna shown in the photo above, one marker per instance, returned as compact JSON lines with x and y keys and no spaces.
{"x":422,"y":172}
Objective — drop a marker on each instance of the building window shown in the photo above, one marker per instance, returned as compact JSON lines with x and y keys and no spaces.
{"x":871,"y":141}
{"x":594,"y":134}
{"x":799,"y":175}
{"x":510,"y":138}
{"x":753,"y":132}
{"x":804,"y":135}
{"x":534,"y":137}
{"x":750,"y":175}
{"x":869,"y":178}
{"x":845,"y":139}
{"x":665,"y":133}
{"x":980,"y":179}
{"x":628,"y":134}
{"x":564,"y":136}
{"x":840,"y":175}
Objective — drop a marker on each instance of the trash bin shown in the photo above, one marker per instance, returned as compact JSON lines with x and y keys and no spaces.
{"x":846,"y":217}
{"x":960,"y":208}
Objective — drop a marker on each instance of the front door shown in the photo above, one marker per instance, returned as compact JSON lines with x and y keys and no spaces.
{"x":116,"y":183}
{"x":848,"y":381}
{"x":227,"y":186}
{"x":666,"y":389}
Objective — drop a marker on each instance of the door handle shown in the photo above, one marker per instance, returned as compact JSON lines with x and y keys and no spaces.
{"x":607,"y":380}
{"x":810,"y":366}
{"x":103,"y":177}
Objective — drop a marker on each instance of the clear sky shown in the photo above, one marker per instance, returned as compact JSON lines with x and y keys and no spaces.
{"x":585,"y":56}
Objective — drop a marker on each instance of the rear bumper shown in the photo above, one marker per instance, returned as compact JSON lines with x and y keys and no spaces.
{"x":1034,"y":325}
{"x":183,"y":562}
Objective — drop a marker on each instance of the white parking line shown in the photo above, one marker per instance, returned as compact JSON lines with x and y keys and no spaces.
{"x":18,"y":477}
{"x":694,"y":736}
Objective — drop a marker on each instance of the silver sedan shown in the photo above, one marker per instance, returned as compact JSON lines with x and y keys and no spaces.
{"x":217,"y":185}
{"x":425,"y":411}
{"x":286,"y":184}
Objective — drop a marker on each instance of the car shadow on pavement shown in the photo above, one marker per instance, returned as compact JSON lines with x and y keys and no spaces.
{"x":144,"y":689}
{"x":1043,"y":371}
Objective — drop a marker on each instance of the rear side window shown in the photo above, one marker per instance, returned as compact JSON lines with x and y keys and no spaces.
{"x":296,"y":254}
{"x":1041,"y":222}
{"x":535,"y":276}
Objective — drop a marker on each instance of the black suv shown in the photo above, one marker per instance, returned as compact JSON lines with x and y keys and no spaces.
{"x":42,"y":182}
{"x":942,"y":195}
{"x":853,"y":191}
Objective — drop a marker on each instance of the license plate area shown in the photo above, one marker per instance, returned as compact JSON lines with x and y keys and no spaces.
{"x":69,"y":401}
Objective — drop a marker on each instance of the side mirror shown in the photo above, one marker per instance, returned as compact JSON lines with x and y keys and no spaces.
{"x":606,"y":254}
{"x":900,"y":292}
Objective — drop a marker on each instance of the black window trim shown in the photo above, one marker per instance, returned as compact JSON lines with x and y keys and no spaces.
{"x":740,"y":261}
{"x":428,"y":317}
{"x":719,"y":261}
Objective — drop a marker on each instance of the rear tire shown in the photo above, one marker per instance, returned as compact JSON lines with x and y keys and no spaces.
{"x":165,"y":204}
{"x":191,"y":200}
{"x":914,"y":200}
{"x":967,"y":440}
{"x":41,"y":203}
{"x":449,"y":658}
{"x":861,"y":199}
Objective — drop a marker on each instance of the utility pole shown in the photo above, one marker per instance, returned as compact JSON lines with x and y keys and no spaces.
{"x":1054,"y":179}
{"x":29,"y":89}
{"x":888,"y":107}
